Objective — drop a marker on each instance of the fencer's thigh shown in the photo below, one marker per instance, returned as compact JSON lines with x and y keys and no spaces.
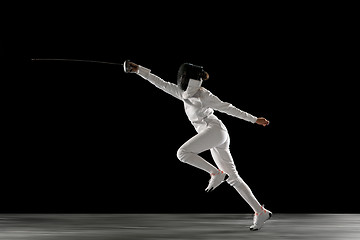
{"x":209,"y":138}
{"x":223,"y":159}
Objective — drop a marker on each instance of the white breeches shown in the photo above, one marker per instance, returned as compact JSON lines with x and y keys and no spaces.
{"x":214,"y":137}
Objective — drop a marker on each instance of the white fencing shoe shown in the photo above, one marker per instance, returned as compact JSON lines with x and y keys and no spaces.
{"x":215,"y":180}
{"x":260,"y":219}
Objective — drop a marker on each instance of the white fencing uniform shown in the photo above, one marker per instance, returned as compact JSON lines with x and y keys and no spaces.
{"x":211,"y":132}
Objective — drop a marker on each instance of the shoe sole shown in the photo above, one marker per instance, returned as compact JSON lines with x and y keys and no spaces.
{"x":215,"y":186}
{"x":256,"y":229}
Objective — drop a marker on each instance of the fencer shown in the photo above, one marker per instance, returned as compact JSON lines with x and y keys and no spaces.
{"x":199,"y":104}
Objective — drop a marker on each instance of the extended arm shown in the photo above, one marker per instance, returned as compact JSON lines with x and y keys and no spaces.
{"x":215,"y":103}
{"x":167,"y":87}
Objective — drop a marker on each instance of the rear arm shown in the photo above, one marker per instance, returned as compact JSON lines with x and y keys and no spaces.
{"x":215,"y":103}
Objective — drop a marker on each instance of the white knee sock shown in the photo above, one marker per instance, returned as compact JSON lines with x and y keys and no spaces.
{"x":243,"y":189}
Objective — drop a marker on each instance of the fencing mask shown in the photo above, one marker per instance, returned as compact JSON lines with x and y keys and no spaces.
{"x":190,"y":78}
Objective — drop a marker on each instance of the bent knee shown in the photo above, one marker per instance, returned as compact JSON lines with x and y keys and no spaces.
{"x":182,"y":154}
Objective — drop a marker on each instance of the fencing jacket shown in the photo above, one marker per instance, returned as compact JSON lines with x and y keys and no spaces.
{"x":200,"y":107}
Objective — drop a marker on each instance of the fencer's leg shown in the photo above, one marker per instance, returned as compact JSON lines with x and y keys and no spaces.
{"x":225,"y":162}
{"x":245,"y":192}
{"x":195,"y":160}
{"x":261,"y":215}
{"x":205,"y":140}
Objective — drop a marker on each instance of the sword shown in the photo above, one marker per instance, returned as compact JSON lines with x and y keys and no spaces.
{"x":75,"y":60}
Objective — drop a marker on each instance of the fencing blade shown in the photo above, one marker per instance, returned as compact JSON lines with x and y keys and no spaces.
{"x":75,"y":60}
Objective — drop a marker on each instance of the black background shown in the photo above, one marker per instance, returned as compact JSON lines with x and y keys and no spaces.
{"x":85,"y":137}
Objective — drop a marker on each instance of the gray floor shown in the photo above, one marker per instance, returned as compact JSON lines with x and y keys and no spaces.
{"x":176,"y":226}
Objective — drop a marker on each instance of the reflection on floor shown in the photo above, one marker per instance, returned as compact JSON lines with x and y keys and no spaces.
{"x":176,"y":226}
